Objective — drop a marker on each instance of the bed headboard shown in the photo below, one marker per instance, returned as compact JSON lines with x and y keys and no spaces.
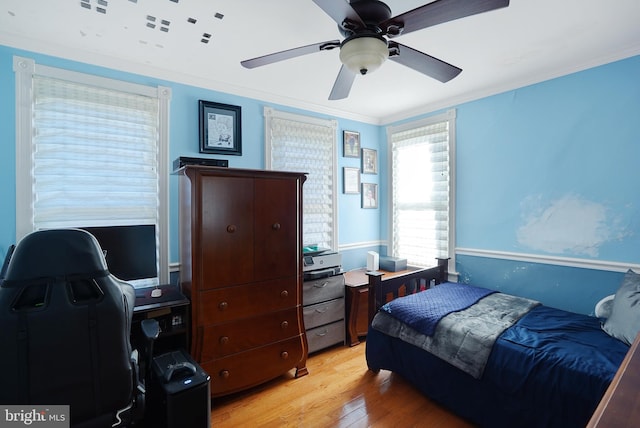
{"x":383,"y":290}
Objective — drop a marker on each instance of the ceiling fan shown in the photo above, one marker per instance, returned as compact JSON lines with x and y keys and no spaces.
{"x":367,"y":26}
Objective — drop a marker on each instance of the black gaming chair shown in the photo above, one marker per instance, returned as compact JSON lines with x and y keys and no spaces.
{"x":64,"y":331}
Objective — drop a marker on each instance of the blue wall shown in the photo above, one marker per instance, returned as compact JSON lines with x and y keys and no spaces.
{"x":569,"y":288}
{"x":7,"y":153}
{"x":549,"y":169}
{"x":355,"y":224}
{"x":550,"y":172}
{"x":553,"y":168}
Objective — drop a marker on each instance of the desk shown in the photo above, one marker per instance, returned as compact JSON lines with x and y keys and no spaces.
{"x":357,"y":301}
{"x":172,"y":312}
{"x":620,"y":406}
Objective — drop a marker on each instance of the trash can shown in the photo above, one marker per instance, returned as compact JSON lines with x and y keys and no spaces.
{"x":179,"y":394}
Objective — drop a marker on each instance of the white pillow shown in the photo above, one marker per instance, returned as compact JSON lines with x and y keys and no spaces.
{"x":605,"y":306}
{"x":624,"y":322}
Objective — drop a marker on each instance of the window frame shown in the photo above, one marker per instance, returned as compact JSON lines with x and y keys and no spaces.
{"x":450,"y":116}
{"x":24,"y":70}
{"x":332,"y":124}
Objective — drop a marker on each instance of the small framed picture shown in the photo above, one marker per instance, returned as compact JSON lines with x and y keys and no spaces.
{"x":351,"y":144}
{"x":369,"y":195}
{"x":350,"y":180}
{"x":220,"y":128}
{"x":369,"y":161}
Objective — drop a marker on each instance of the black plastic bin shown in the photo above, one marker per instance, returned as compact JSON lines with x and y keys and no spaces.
{"x":178,"y":394}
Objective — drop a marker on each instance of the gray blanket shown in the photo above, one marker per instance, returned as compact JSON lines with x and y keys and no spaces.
{"x":465,"y":338}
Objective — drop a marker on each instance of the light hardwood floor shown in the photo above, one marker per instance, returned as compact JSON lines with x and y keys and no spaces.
{"x":339,"y":391}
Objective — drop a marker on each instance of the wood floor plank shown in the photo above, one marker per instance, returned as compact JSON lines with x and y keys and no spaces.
{"x":339,"y":391}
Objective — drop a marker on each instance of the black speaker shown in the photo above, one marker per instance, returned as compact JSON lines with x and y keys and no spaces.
{"x":179,"y":394}
{"x":183,"y":161}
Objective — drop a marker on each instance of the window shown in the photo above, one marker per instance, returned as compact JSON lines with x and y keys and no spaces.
{"x":306,"y":144}
{"x":422,"y":185}
{"x":90,"y":152}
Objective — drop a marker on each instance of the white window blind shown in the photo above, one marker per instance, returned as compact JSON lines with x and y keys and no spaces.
{"x":90,"y":151}
{"x":306,"y":144}
{"x":421,"y":203}
{"x":95,"y":156}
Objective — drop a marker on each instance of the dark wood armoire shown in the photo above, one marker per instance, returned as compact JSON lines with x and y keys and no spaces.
{"x":241,"y":266}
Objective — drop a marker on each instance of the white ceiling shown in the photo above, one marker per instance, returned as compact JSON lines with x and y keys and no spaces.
{"x":528,"y":42}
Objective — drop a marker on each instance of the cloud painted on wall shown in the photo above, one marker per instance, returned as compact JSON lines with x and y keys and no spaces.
{"x":570,"y":225}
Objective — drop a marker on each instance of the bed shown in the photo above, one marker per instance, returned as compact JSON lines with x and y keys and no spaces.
{"x":544,"y":367}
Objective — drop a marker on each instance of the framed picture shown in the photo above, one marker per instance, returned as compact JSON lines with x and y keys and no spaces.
{"x":351,"y":144}
{"x":369,"y":195}
{"x":350,"y":180}
{"x":220,"y":128}
{"x":369,"y":161}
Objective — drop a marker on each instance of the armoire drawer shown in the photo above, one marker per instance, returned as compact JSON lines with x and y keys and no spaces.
{"x":249,"y":368}
{"x":326,"y":335}
{"x":319,"y":290}
{"x":220,"y":340}
{"x":323,"y":313}
{"x":245,"y":301}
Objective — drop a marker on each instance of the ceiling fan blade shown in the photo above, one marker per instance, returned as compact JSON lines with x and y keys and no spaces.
{"x":437,"y":12}
{"x":290,"y":53}
{"x":343,"y":83}
{"x":420,"y":61}
{"x":339,"y":10}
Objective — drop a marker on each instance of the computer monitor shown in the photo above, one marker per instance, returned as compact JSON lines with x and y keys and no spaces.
{"x":130,"y":251}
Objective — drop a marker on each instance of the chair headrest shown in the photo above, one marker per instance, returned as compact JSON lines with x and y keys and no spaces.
{"x":54,"y":253}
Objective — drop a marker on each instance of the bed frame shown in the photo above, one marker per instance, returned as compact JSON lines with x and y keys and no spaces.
{"x":485,"y":403}
{"x":383,"y":290}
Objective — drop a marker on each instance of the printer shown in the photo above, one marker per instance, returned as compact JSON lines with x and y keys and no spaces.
{"x":321,"y":264}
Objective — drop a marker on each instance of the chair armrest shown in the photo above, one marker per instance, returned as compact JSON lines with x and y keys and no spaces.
{"x":150,"y":329}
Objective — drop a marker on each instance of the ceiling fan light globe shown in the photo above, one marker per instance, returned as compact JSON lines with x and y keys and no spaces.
{"x":363,"y":55}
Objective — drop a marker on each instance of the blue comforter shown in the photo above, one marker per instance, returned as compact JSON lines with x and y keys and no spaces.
{"x":463,"y":338}
{"x":553,"y":349}
{"x":423,"y":315}
{"x":550,"y":369}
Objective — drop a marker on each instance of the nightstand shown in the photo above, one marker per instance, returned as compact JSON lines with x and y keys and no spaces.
{"x":356,"y":295}
{"x":357,"y":301}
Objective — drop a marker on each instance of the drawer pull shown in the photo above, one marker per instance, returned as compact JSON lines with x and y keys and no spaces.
{"x":224,"y":340}
{"x":275,"y":226}
{"x":231,"y":228}
{"x":224,"y":374}
{"x":223,"y":305}
{"x":324,"y":333}
{"x":324,"y":284}
{"x":284,"y":324}
{"x":284,"y":293}
{"x":284,"y":355}
{"x":322,"y":310}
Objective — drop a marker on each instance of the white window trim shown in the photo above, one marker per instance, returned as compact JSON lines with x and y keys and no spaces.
{"x":269,"y":113}
{"x":24,"y":69}
{"x":449,"y":115}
